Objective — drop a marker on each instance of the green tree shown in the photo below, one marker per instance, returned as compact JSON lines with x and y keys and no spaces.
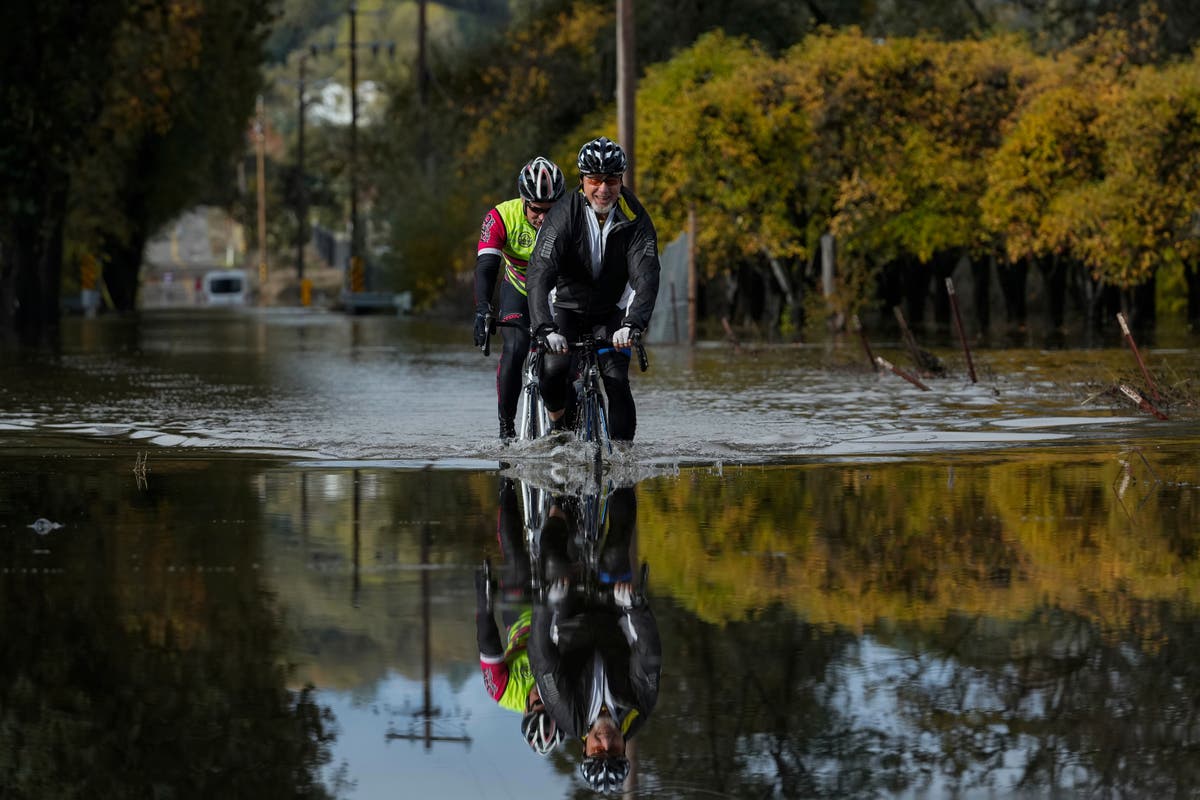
{"x":54,"y":57}
{"x":184,"y":82}
{"x":123,"y":115}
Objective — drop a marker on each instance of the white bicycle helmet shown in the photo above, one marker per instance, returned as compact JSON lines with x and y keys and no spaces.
{"x":602,"y":156}
{"x":604,"y":774}
{"x":540,"y":731}
{"x":540,"y":181}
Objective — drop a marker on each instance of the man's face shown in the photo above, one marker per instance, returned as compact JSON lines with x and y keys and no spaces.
{"x":602,"y":191}
{"x":604,"y":739}
{"x":536,"y":212}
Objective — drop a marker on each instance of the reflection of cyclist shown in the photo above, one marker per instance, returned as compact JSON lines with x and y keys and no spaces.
{"x":506,"y":672}
{"x":598,"y":251}
{"x":507,"y":237}
{"x":597,"y":666}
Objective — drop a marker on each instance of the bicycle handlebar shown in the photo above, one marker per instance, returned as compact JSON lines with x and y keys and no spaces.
{"x":591,"y":343}
{"x":596,"y":594}
{"x":491,"y":324}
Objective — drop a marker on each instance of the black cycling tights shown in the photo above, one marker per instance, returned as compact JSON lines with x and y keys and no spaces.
{"x":514,"y":307}
{"x":557,"y":375}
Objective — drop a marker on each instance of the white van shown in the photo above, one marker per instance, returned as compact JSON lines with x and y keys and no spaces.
{"x":226,"y":287}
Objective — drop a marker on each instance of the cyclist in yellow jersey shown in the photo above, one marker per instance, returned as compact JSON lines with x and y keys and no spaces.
{"x":505,"y":243}
{"x":507,"y":676}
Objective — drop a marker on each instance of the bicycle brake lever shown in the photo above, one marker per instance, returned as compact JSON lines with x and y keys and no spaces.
{"x":489,"y":327}
{"x":643,"y":361}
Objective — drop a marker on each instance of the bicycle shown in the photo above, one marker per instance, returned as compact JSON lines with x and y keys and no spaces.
{"x":532,"y":420}
{"x":593,"y":587}
{"x":535,"y":507}
{"x":593,"y":400}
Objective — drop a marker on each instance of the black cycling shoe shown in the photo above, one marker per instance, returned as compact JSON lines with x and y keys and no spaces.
{"x":508,"y":430}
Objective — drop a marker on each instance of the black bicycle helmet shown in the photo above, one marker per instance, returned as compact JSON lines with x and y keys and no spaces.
{"x":540,"y":181}
{"x":540,"y":731}
{"x":602,"y":156}
{"x":604,"y":774}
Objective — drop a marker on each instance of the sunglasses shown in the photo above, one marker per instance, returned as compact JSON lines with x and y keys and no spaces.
{"x":596,"y":180}
{"x":539,"y":211}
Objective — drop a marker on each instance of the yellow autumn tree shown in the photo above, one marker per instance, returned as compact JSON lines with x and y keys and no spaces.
{"x":719,"y":132}
{"x":1140,"y":215}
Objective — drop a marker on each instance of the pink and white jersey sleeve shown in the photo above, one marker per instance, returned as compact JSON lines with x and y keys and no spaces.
{"x":492,"y":235}
{"x":495,"y":675}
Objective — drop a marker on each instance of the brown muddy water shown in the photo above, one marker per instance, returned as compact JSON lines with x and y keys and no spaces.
{"x":237,"y":557}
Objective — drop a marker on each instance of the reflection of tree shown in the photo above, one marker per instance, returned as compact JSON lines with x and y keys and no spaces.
{"x":1051,"y":702}
{"x":776,"y":707}
{"x":1024,"y":628}
{"x":758,"y":709}
{"x":343,"y":646}
{"x":135,"y":660}
{"x":849,"y":545}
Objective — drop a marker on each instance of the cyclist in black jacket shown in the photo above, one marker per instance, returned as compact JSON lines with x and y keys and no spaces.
{"x":597,"y":667}
{"x":597,"y":251}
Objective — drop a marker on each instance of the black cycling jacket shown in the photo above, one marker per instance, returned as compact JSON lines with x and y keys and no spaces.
{"x":562,"y":260}
{"x":628,"y":643}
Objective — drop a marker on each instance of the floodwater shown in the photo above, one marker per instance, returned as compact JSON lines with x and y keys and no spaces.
{"x":237,"y":556}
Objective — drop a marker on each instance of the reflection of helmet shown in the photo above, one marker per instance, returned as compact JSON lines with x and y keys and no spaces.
{"x":540,"y":181}
{"x":540,"y":731}
{"x":604,"y":774}
{"x":601,"y":156}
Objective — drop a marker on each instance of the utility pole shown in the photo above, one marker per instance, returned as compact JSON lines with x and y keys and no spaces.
{"x":428,"y":709}
{"x":301,"y":193}
{"x":262,"y":202}
{"x":422,"y":67}
{"x":423,"y":88}
{"x":626,"y":86}
{"x":355,"y":233}
{"x":356,"y":275}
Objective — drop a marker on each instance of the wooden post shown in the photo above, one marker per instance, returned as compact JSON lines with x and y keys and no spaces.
{"x":862,"y":335}
{"x":261,"y":147}
{"x":1138,"y":356}
{"x":674,"y":315}
{"x":827,"y":265}
{"x":691,"y":267}
{"x":1141,"y":402}
{"x":958,"y":325}
{"x":883,"y":362}
{"x":626,"y":87}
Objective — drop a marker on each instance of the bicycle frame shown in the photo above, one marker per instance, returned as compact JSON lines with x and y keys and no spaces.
{"x":590,"y":526}
{"x":535,"y":504}
{"x":593,"y":400}
{"x":532,"y":420}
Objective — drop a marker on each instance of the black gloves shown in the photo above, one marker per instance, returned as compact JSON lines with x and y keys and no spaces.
{"x":483,"y":320}
{"x":483,"y":589}
{"x":487,"y":635}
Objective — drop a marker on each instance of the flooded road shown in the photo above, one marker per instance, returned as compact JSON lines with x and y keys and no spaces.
{"x":237,"y":558}
{"x":321,"y":385}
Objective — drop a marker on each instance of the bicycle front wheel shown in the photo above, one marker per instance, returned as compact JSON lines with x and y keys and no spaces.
{"x":532,"y":419}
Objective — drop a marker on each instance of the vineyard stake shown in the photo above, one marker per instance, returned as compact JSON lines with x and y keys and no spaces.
{"x":962,"y":334}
